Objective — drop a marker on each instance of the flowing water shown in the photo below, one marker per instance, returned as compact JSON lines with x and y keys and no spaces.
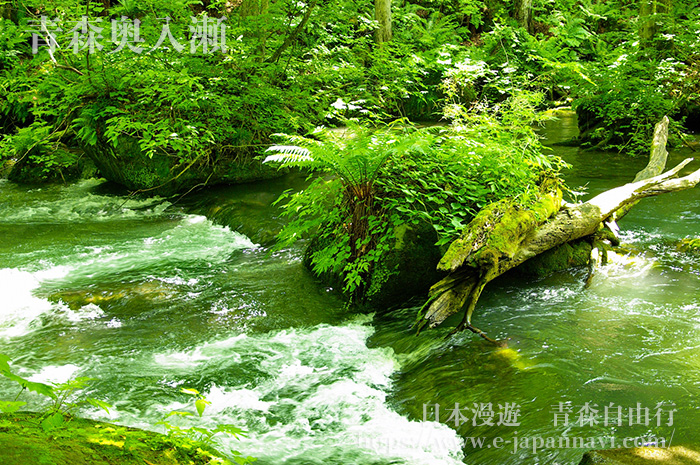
{"x":149,"y":296}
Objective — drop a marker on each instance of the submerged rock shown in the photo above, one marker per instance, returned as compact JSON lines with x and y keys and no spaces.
{"x":689,"y":245}
{"x":675,"y":455}
{"x":406,"y":271}
{"x":114,"y":293}
{"x":79,"y":441}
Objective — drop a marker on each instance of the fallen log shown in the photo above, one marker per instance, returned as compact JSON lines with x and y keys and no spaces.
{"x":505,"y":235}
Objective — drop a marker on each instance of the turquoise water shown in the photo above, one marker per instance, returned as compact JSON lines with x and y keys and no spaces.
{"x":150,"y":295}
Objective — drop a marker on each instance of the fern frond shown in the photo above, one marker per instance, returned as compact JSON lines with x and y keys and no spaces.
{"x":301,"y":141}
{"x":288,"y":154}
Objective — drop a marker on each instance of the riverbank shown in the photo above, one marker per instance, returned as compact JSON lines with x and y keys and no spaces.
{"x":149,"y":295}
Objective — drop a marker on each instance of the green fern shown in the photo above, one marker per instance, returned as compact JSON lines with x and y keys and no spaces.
{"x":354,"y":156}
{"x":371,"y":181}
{"x":355,"y":159}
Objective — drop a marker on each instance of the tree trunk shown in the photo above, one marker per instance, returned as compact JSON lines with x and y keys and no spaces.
{"x":289,"y":40}
{"x":382,"y":13}
{"x":502,"y":237}
{"x":648,"y":21}
{"x":523,"y":14}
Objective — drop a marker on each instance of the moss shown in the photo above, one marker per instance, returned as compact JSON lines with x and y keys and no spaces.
{"x":475,"y":236}
{"x":127,"y":165}
{"x":68,"y":165}
{"x":407,"y":270}
{"x":561,"y":112}
{"x":6,"y":168}
{"x":689,"y":245}
{"x":498,"y":230}
{"x":88,"y":442}
{"x":571,"y":254}
{"x":165,"y":174}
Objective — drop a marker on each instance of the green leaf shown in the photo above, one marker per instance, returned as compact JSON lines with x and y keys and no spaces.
{"x":52,"y":422}
{"x":39,"y":388}
{"x":189,"y":391}
{"x":10,"y":407}
{"x":73,"y":384}
{"x":5,"y":363}
{"x":230,"y":429}
{"x":177,"y":413}
{"x":98,"y":403}
{"x":456,"y":223}
{"x":201,"y":404}
{"x":202,"y":431}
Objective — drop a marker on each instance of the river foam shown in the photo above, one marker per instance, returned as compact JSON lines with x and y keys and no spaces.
{"x":193,"y":240}
{"x":20,"y":308}
{"x":76,"y":203}
{"x":320,"y":396}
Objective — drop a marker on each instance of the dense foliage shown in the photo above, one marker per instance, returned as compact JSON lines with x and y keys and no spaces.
{"x":290,"y":66}
{"x":287,"y":67}
{"x":381,"y":179}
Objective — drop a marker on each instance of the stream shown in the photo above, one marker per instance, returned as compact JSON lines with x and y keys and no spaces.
{"x":149,"y":296}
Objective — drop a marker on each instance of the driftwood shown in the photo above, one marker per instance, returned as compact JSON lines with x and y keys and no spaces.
{"x":503,"y":236}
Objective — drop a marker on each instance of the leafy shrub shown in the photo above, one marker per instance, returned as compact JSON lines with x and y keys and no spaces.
{"x":372,"y":180}
{"x":629,"y":97}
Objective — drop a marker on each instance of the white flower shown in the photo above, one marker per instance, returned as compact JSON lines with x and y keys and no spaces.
{"x":339,"y":104}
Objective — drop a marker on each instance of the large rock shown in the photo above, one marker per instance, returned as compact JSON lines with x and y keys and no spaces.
{"x":69,"y":166}
{"x":165,"y":174}
{"x":249,"y":209}
{"x":407,"y":270}
{"x":86,"y":442}
{"x":569,"y":255}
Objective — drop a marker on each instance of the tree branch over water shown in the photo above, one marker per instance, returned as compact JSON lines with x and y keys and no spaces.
{"x":503,"y":237}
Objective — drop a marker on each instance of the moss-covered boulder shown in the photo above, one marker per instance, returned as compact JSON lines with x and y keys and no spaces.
{"x":569,"y":255}
{"x":60,"y":165}
{"x":249,"y":209}
{"x":675,"y":455}
{"x":164,"y":174}
{"x":6,"y":168}
{"x":23,"y":441}
{"x":407,"y":270}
